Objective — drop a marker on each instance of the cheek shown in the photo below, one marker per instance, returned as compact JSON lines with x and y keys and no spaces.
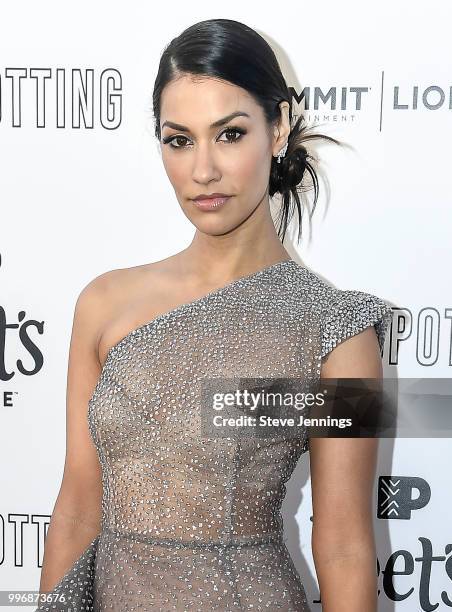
{"x":249,"y":168}
{"x":175,"y":170}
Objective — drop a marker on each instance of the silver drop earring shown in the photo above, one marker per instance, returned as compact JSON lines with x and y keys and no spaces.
{"x":281,"y":154}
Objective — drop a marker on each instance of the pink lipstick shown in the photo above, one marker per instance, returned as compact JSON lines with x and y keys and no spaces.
{"x":210,"y":203}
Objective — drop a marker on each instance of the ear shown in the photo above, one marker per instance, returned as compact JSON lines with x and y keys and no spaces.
{"x":282,"y":128}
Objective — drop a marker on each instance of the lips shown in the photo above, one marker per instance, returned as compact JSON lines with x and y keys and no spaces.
{"x":213,"y":202}
{"x":211,"y":196}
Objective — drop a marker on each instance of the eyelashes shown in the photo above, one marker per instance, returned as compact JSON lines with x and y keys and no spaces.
{"x":169,"y":139}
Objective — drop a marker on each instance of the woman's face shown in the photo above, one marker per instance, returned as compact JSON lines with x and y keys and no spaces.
{"x":231,"y":158}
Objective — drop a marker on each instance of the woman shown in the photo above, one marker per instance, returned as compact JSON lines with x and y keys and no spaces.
{"x":151,"y":514}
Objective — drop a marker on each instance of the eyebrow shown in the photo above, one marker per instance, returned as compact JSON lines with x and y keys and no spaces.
{"x":222,"y":121}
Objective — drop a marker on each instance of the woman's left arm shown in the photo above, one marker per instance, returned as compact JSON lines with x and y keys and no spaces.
{"x":342,"y":479}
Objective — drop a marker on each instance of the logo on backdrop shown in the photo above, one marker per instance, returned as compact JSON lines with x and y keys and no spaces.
{"x":46,"y":97}
{"x":23,"y":326}
{"x":343,"y":103}
{"x":396,"y":499}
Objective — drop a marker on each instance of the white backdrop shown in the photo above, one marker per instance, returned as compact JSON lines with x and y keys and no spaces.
{"x":83,"y":190}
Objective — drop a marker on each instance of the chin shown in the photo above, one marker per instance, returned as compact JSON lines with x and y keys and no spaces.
{"x":215,"y":227}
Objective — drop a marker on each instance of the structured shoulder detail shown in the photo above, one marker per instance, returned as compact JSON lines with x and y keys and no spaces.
{"x":350,"y":312}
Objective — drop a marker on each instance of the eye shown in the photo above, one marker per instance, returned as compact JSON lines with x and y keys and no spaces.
{"x":178,"y":138}
{"x":169,"y":140}
{"x":232,"y":130}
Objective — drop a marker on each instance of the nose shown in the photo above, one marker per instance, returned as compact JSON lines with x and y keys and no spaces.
{"x":205,"y":168}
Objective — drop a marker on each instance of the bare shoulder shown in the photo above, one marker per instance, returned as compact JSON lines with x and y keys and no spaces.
{"x":99,"y":287}
{"x":120,"y":300}
{"x":113,"y":288}
{"x":95,"y":297}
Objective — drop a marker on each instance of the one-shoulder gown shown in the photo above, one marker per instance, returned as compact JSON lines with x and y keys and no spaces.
{"x":189,"y":522}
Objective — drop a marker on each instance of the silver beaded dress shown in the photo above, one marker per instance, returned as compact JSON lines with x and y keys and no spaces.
{"x":189,"y":522}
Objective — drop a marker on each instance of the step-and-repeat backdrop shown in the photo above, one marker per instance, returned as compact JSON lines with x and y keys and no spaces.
{"x":83,"y":191}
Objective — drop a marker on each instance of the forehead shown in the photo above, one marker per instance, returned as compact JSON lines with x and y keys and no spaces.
{"x":202,"y":100}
